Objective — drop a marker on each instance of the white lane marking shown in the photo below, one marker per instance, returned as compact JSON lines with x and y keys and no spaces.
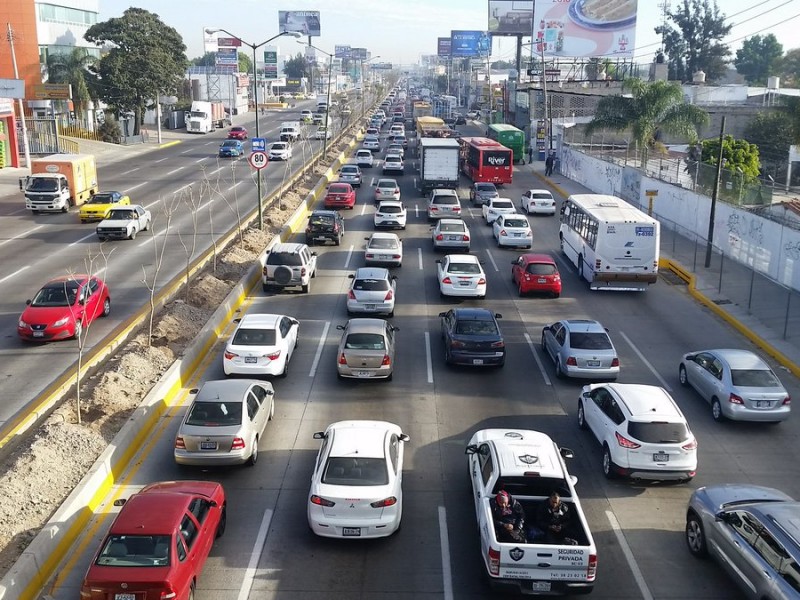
{"x":349,"y":255}
{"x":183,"y":187}
{"x":19,"y":211}
{"x":320,"y":346}
{"x":447,"y":576}
{"x":14,"y":273}
{"x":428,"y":360}
{"x":363,"y":209}
{"x":663,"y":383}
{"x":255,"y":556}
{"x":79,"y":240}
{"x":538,"y":360}
{"x":209,"y":143}
{"x":162,"y":159}
{"x":215,"y":171}
{"x":187,"y":150}
{"x":491,"y":259}
{"x":130,"y":171}
{"x":19,"y":235}
{"x":174,"y":171}
{"x":199,"y":160}
{"x":138,"y":185}
{"x":626,"y":550}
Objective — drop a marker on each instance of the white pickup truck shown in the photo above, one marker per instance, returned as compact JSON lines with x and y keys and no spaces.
{"x":124,"y":222}
{"x":529,"y":466}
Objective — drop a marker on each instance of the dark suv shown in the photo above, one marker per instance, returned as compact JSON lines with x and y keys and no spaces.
{"x":325,"y":225}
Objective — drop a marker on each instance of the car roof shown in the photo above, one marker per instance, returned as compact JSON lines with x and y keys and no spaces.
{"x":539,"y":191}
{"x":385,"y":235}
{"x":392,"y":156}
{"x":443,"y":192}
{"x":500,"y":199}
{"x":290,"y":247}
{"x":474,"y":314}
{"x":359,"y":438}
{"x":463,"y":258}
{"x":385,"y":180}
{"x":259,"y":320}
{"x":325,"y":213}
{"x":364,"y":151}
{"x":371,"y":273}
{"x":647,"y":401}
{"x":784,"y":515}
{"x":583,"y":325}
{"x":366,"y":325}
{"x":740,"y":359}
{"x":523,"y":451}
{"x":450,"y":221}
{"x":538,"y":258}
{"x":351,"y":167}
{"x":390,"y":203}
{"x":231,"y":389}
{"x":79,"y":278}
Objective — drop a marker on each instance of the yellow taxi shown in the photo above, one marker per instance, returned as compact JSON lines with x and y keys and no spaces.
{"x":100,"y":204}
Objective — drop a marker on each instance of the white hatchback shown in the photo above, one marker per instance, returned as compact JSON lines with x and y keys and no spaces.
{"x":356,"y":487}
{"x":373,"y":291}
{"x":390,"y":214}
{"x":261,"y":344}
{"x":461,"y":275}
{"x":384,"y":249}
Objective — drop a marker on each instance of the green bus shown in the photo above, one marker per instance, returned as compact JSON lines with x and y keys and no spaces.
{"x":510,"y":137}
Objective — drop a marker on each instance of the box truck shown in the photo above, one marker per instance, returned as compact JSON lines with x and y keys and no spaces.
{"x":206,"y":116}
{"x":438,"y":163}
{"x":59,"y":181}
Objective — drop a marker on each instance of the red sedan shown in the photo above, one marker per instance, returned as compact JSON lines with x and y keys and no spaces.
{"x":158,"y":544}
{"x":536,"y":273}
{"x":340,"y":195}
{"x":237,"y":133}
{"x":63,"y":307}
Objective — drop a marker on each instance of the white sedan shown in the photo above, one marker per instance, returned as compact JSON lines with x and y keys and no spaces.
{"x":384,"y":249}
{"x":512,"y":230}
{"x":262,"y":344}
{"x":461,"y":275}
{"x":540,"y":202}
{"x":390,"y":214}
{"x":495,"y":207}
{"x":322,"y":133}
{"x":356,"y":488}
{"x":280,"y":151}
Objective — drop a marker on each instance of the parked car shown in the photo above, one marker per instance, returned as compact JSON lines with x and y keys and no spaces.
{"x":580,"y":348}
{"x":350,"y":174}
{"x":63,"y":308}
{"x":443,"y":203}
{"x":450,"y":234}
{"x":384,"y":249}
{"x":231,"y":149}
{"x":158,"y":544}
{"x":495,"y":207}
{"x":643,"y":433}
{"x":538,"y":202}
{"x":481,"y":192}
{"x":287,"y":265}
{"x":512,"y":230}
{"x":99,"y":205}
{"x":225,"y":423}
{"x":237,"y":133}
{"x":461,"y":275}
{"x":536,"y":273}
{"x":324,"y":225}
{"x":280,"y":151}
{"x":340,"y":195}
{"x":261,"y":345}
{"x":390,"y":214}
{"x":366,"y":349}
{"x":364,"y":158}
{"x":372,"y":291}
{"x":737,"y":384}
{"x":393,"y":163}
{"x":386,"y":189}
{"x":472,"y":336}
{"x":356,"y":487}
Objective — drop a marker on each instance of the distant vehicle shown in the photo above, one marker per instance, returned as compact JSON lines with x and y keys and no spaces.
{"x":371,"y":142}
{"x":539,"y":202}
{"x":364,"y":158}
{"x":372,"y":292}
{"x":512,"y":230}
{"x":205,"y":117}
{"x":366,"y":350}
{"x":124,"y":223}
{"x":581,"y":348}
{"x":325,"y":225}
{"x":350,"y":174}
{"x":237,"y":133}
{"x":287,"y":265}
{"x":393,"y":163}
{"x":231,"y":148}
{"x":99,"y":205}
{"x":443,"y":203}
{"x":461,"y":275}
{"x":450,"y":234}
{"x":396,"y":149}
{"x":261,"y":345}
{"x":323,"y":133}
{"x":438,"y":163}
{"x":306,"y":116}
{"x":340,"y":195}
{"x":280,"y":151}
{"x":536,"y":273}
{"x":472,"y":337}
{"x":483,"y":159}
{"x":387,"y":189}
{"x":510,"y":137}
{"x":384,"y":249}
{"x":390,"y":214}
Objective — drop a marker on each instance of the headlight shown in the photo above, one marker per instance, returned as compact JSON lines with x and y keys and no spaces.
{"x":61,"y":322}
{"x":23,"y":324}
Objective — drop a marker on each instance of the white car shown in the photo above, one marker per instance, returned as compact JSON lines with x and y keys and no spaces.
{"x":443,"y":203}
{"x":450,"y":234}
{"x":322,"y":133}
{"x":124,"y":222}
{"x":397,"y":129}
{"x":356,"y":487}
{"x":387,"y":189}
{"x":512,"y":230}
{"x":539,"y":202}
{"x":394,"y":163}
{"x":384,"y":249}
{"x":364,"y":158}
{"x":461,"y":275}
{"x":642,"y":431}
{"x":396,"y":149}
{"x":371,"y":142}
{"x":372,"y":292}
{"x":280,"y":151}
{"x":495,"y":207}
{"x":261,"y":344}
{"x":390,"y":214}
{"x":306,"y":116}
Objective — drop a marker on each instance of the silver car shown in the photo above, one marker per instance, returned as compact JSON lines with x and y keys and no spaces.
{"x":372,"y":292}
{"x":738,"y":384}
{"x":450,"y":234}
{"x":225,"y":423}
{"x":753,"y":533}
{"x":580,"y":348}
{"x":366,"y":350}
{"x":350,"y":174}
{"x":443,"y":203}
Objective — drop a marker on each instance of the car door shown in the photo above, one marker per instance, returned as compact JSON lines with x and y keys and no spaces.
{"x":254,"y":416}
{"x":291,"y":327}
{"x":396,"y":464}
{"x":200,"y":508}
{"x":448,"y":324}
{"x":559,"y":340}
{"x":517,"y":269}
{"x":702,"y":374}
{"x":195,"y":553}
{"x":526,"y":201}
{"x":92,"y":300}
{"x":481,"y":469}
{"x":595,"y":412}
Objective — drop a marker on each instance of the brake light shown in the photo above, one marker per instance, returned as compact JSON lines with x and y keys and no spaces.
{"x":396,"y":256}
{"x":591,"y":571}
{"x":465,"y":238}
{"x":396,"y":190}
{"x":434,"y":208}
{"x":440,"y":237}
{"x":238,"y":444}
{"x":625,"y":442}
{"x":389,"y":295}
{"x":230,"y":355}
{"x":481,"y":281}
{"x":692,"y":445}
{"x":787,"y":401}
{"x":503,"y":232}
{"x":351,"y":295}
{"x":494,"y":562}
{"x":447,"y":280}
{"x":615,"y":362}
{"x":734,"y":399}
{"x":500,"y":344}
{"x":456,"y":209}
{"x":319,"y":501}
{"x":274,"y":355}
{"x":179,"y":443}
{"x":168,"y":593}
{"x":342,"y":359}
{"x":302,"y":271}
{"x":390,"y":501}
{"x":572,"y":362}
{"x":386,"y":362}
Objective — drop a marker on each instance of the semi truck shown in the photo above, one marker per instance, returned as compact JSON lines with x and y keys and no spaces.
{"x":204,"y":117}
{"x":438,"y":163}
{"x":59,"y":181}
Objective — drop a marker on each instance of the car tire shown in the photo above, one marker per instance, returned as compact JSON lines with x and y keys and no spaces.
{"x":285,"y":370}
{"x":520,"y":292}
{"x":306,"y":287}
{"x":223,"y":522}
{"x":271,"y":411}
{"x":191,"y":593}
{"x":556,"y":295}
{"x":559,"y":372}
{"x":132,"y":236}
{"x":580,"y":266}
{"x":608,"y":464}
{"x":265,"y":287}
{"x":682,"y":376}
{"x":101,"y":238}
{"x":389,"y":378}
{"x":581,"y":416}
{"x":78,"y":329}
{"x":282,"y":275}
{"x":146,"y":226}
{"x":253,"y":459}
{"x":309,"y":242}
{"x":716,"y":410}
{"x":561,"y":243}
{"x":695,"y":536}
{"x":106,"y":308}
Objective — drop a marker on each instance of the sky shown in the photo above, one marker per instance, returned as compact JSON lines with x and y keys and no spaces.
{"x":400,"y":31}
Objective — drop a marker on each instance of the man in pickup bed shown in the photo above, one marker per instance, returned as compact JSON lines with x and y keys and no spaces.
{"x":509,"y":518}
{"x":553,"y":521}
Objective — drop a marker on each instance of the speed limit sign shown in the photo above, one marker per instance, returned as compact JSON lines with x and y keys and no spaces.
{"x":258,"y":159}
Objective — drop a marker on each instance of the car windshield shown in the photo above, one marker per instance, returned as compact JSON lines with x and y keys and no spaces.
{"x":471,"y":327}
{"x":61,"y":294}
{"x":338,"y":189}
{"x":40,"y":184}
{"x":280,"y":146}
{"x":344,"y":470}
{"x":451,"y":227}
{"x":658,"y":433}
{"x":215,"y":414}
{"x":365,"y":341}
{"x":254,"y":337}
{"x":387,"y":184}
{"x":759,"y":378}
{"x":390,"y":209}
{"x":370,"y":285}
{"x":502,"y":204}
{"x":541,"y":269}
{"x":135,"y":551}
{"x":452,"y":200}
{"x":121,"y":215}
{"x":589,"y":341}
{"x":101,"y":199}
{"x":284,"y":258}
{"x":349,"y":171}
{"x":230,"y":144}
{"x":383,"y":243}
{"x":515,"y":223}
{"x":464,"y":268}
{"x":541,"y":196}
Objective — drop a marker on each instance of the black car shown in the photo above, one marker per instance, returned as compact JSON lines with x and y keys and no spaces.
{"x":324,"y":225}
{"x":472,"y":337}
{"x":450,"y":122}
{"x":461,"y":120}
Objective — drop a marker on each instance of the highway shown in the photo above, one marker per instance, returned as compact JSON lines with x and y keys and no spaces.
{"x":268,"y":551}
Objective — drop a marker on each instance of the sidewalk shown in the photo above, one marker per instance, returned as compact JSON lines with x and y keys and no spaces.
{"x":757,"y":307}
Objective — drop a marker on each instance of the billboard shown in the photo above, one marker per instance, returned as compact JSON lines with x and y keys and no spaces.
{"x":303,"y":21}
{"x":511,"y":17}
{"x":443,"y":46}
{"x":342,"y":52}
{"x":359,"y":53}
{"x":227,"y":56}
{"x":270,"y":64}
{"x":467,"y":44}
{"x":383,"y":66}
{"x":229,"y":42}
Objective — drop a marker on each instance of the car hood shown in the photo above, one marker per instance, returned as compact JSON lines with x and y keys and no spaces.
{"x":718,"y":495}
{"x":95,"y":208}
{"x":114,"y":222}
{"x":45,"y":314}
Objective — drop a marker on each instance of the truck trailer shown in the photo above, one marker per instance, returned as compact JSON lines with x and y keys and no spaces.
{"x":204,"y":117}
{"x":438,"y":163}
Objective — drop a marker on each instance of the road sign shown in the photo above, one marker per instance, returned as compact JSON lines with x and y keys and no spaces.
{"x":258,"y":160}
{"x":651,"y":193}
{"x":259,"y":144}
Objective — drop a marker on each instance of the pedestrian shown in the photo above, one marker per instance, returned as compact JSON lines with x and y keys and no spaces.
{"x":549,"y":163}
{"x":530,"y":154}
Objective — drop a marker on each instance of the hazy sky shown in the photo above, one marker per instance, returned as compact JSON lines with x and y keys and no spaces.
{"x":402,"y":30}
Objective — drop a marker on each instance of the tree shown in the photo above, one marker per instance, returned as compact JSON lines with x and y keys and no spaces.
{"x":758,"y":58}
{"x":736,"y":154}
{"x":653,"y":108}
{"x":71,"y":67}
{"x":208,"y":59}
{"x":789,"y":68}
{"x":245,"y":63}
{"x":772,"y":132}
{"x":147,"y":59}
{"x":695,"y":42}
{"x":295,"y":67}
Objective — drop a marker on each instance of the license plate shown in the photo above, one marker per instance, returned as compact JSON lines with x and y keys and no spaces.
{"x":370,"y":306}
{"x":661,"y":457}
{"x":540,"y":586}
{"x":452,"y":238}
{"x":592,"y":363}
{"x":208,"y":445}
{"x":477,"y":361}
{"x":363,"y":373}
{"x":541,"y":280}
{"x":517,"y":235}
{"x":351,"y":531}
{"x":124,"y":596}
{"x":38,"y":334}
{"x":250,"y":360}
{"x":464,"y":282}
{"x":763,"y":404}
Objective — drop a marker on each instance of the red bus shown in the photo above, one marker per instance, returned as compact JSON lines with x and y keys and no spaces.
{"x":483,"y":159}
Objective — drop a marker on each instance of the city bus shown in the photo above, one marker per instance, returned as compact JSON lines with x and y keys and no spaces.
{"x":510,"y":137}
{"x":483,"y":159}
{"x":613,"y":245}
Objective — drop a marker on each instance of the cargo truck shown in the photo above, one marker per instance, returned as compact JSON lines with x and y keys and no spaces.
{"x":438,"y":163}
{"x":204,"y":117}
{"x":59,"y":181}
{"x":510,"y":137}
{"x":421,"y":109}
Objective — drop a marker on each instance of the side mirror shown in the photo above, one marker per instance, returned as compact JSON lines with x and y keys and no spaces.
{"x":28,"y":302}
{"x":404,"y":438}
{"x":566,"y":453}
{"x":340,"y":327}
{"x":471,"y":449}
{"x":319,"y":435}
{"x":573,"y":479}
{"x":498,"y":316}
{"x":442,"y":314}
{"x":691,"y":357}
{"x":120,"y":501}
{"x":351,"y":276}
{"x":194,"y":390}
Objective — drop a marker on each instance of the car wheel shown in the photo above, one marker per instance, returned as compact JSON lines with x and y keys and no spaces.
{"x":78,"y":329}
{"x":561,"y":243}
{"x":520,"y":292}
{"x":132,"y":236}
{"x":338,"y":241}
{"x":447,"y":360}
{"x":106,"y":308}
{"x":309,"y":241}
{"x":580,"y":266}
{"x":146,"y":226}
{"x":265,"y":287}
{"x":581,"y":416}
{"x":696,"y":536}
{"x":556,"y":295}
{"x":682,"y":376}
{"x":608,"y":465}
{"x":191,"y":592}
{"x":716,"y":410}
{"x":285,"y":371}
{"x":271,"y":411}
{"x":306,"y":288}
{"x":389,"y":378}
{"x":101,"y":238}
{"x":223,"y":522}
{"x":254,"y":454}
{"x":559,"y":372}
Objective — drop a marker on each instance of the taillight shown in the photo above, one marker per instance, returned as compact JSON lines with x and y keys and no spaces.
{"x":238,"y":444}
{"x":390,"y":501}
{"x":494,"y":561}
{"x":456,"y":209}
{"x":465,"y":238}
{"x":615,"y":362}
{"x":787,"y":401}
{"x":591,"y":571}
{"x":302,"y":271}
{"x":389,"y":295}
{"x":692,"y":445}
{"x":481,"y":281}
{"x":342,"y":359}
{"x":447,"y":280}
{"x":179,"y":443}
{"x":434,"y":208}
{"x":274,"y":355}
{"x":396,"y":190}
{"x":351,"y":295}
{"x":396,"y":256}
{"x":734,"y":399}
{"x":440,"y":237}
{"x":572,"y":362}
{"x":230,"y":355}
{"x":319,"y":501}
{"x":625,"y":442}
{"x":386,"y":362}
{"x":168,"y":593}
{"x":500,"y":344}
{"x":503,"y":232}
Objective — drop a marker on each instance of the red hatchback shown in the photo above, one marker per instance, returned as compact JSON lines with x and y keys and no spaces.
{"x":536,"y":273}
{"x":340,"y":195}
{"x":237,"y":133}
{"x":63,"y":307}
{"x":158,"y":544}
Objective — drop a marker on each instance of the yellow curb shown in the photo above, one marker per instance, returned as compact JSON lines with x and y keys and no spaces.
{"x":168,"y":144}
{"x":555,"y":186}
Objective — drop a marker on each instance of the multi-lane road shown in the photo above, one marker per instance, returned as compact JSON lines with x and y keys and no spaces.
{"x":268,"y":550}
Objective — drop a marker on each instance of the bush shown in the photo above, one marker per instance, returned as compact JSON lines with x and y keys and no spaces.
{"x":109,"y":131}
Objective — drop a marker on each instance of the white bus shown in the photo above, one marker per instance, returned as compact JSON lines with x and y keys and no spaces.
{"x":613,"y":245}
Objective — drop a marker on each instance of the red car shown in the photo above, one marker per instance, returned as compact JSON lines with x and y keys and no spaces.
{"x":536,"y":273}
{"x":63,"y":307}
{"x":340,"y":195}
{"x":158,"y":544}
{"x":237,"y":133}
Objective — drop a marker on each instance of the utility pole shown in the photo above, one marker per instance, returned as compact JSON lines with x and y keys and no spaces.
{"x":714,"y":195}
{"x":25,"y":148}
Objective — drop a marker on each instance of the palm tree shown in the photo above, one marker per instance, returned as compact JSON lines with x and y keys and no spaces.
{"x":650,"y":109}
{"x":71,"y":67}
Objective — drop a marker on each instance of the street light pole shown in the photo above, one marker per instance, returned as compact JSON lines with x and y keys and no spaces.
{"x":328,"y":109}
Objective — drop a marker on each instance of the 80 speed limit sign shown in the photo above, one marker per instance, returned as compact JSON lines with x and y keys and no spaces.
{"x":258,"y":159}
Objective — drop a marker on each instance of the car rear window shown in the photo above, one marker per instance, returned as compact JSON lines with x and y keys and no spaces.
{"x":515,"y":223}
{"x":390,"y":209}
{"x":350,"y":170}
{"x":321,"y":220}
{"x":383,"y":243}
{"x":590,"y":341}
{"x":541,"y":269}
{"x":387,"y":184}
{"x":355,"y":471}
{"x":365,"y":341}
{"x":472,"y":327}
{"x":464,"y":268}
{"x":254,"y":337}
{"x":451,"y":227}
{"x":135,"y":551}
{"x":754,"y":378}
{"x":542,"y":196}
{"x":444,"y":200}
{"x":284,"y":258}
{"x":370,"y":285}
{"x":502,"y":204}
{"x":658,"y":433}
{"x":338,"y":189}
{"x":215,"y":414}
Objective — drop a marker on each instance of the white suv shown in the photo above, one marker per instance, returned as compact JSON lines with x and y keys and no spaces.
{"x":289,"y":265}
{"x":643,"y":432}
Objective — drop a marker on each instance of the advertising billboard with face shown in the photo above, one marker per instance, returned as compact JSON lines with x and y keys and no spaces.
{"x":443,"y":46}
{"x":466,"y":44}
{"x":303,"y":21}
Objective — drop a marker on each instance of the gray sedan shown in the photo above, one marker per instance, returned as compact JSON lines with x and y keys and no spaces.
{"x":450,"y":234}
{"x":225,"y":423}
{"x":738,"y":384}
{"x":366,"y":350}
{"x":581,"y":349}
